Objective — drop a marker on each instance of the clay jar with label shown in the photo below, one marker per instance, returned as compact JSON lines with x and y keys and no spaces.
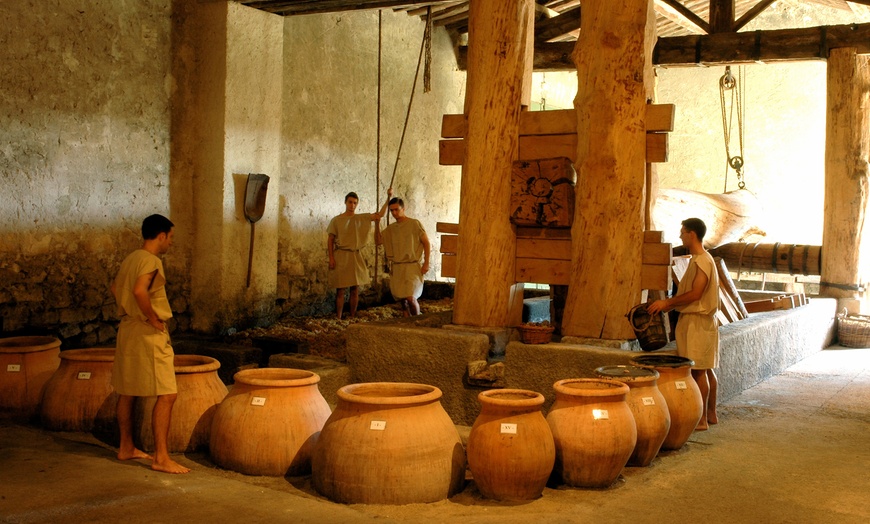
{"x":79,"y":396}
{"x":388,"y":443}
{"x":594,"y":431}
{"x":681,"y":395}
{"x":269,"y":422}
{"x":26,"y":364}
{"x":651,"y":416}
{"x":511,"y":451}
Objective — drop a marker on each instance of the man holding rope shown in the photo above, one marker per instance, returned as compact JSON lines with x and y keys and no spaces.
{"x":405,"y":242}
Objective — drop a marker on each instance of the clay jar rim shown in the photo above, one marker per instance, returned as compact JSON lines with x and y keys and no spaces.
{"x":276,"y":377}
{"x":628,"y":374}
{"x":195,"y":364}
{"x":511,"y":398}
{"x":30,"y":344}
{"x":590,"y":387}
{"x":389,"y":393}
{"x":89,"y":355}
{"x":662,"y":361}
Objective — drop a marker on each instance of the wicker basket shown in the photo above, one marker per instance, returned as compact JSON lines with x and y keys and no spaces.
{"x":536,"y":334}
{"x":853,"y":330}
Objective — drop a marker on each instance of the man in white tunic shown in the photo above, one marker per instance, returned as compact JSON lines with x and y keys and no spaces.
{"x":144,"y":360}
{"x":697,"y":300}
{"x":348,"y":234}
{"x":405,"y":242}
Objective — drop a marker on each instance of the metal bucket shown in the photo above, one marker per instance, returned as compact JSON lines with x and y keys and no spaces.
{"x":649,"y":329}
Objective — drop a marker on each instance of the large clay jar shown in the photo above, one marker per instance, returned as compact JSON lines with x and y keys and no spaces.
{"x":510,"y":449}
{"x":648,"y":406}
{"x":26,"y":364}
{"x":79,"y":396}
{"x":594,"y":431}
{"x":269,"y":422}
{"x":681,"y":395}
{"x":388,"y":443}
{"x":200,"y":390}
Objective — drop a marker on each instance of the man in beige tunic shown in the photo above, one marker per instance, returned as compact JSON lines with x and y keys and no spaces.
{"x":348,"y":234}
{"x":697,"y":300}
{"x":405,"y":242}
{"x":143,"y":365}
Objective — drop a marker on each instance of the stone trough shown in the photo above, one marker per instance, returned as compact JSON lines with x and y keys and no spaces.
{"x":464,"y":361}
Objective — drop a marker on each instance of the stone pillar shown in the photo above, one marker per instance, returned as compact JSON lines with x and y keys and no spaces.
{"x":611,"y":55}
{"x":845,"y":249}
{"x":226,"y":124}
{"x":500,"y":33}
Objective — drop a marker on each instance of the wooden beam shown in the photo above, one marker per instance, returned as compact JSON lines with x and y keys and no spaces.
{"x":721,"y":16}
{"x":557,"y":26}
{"x":552,"y":249}
{"x":750,"y":15}
{"x":681,"y":15}
{"x":288,"y":8}
{"x":449,"y":244}
{"x":539,"y":271}
{"x":659,"y":117}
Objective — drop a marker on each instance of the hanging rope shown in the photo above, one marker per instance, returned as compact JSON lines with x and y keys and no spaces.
{"x":378,"y":153}
{"x":729,"y":83}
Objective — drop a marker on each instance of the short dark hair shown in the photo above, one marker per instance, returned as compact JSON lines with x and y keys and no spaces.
{"x":350,"y":195}
{"x":154,"y":225}
{"x":397,"y":200}
{"x":697,"y":225}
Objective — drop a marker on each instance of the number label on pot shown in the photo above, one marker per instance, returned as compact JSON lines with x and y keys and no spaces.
{"x":258,"y":401}
{"x":509,"y":428}
{"x":378,"y":425}
{"x":600,"y":414}
{"x":649,"y":401}
{"x":13,"y":368}
{"x":680,"y":384}
{"x":84,"y":375}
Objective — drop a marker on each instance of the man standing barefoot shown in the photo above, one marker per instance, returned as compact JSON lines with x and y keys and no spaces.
{"x":144,"y":357}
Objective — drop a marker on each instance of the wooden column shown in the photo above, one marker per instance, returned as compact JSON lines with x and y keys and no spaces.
{"x":845,"y":248}
{"x":499,"y":34}
{"x":611,"y":56}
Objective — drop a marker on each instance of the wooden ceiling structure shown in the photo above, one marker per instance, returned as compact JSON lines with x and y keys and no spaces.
{"x":690,"y":31}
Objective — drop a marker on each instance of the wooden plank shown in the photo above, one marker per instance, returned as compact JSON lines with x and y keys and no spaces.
{"x":449,"y":243}
{"x":659,"y":118}
{"x":544,"y":248}
{"x":447,"y":227}
{"x":656,"y":254}
{"x":728,"y":307}
{"x":539,"y":271}
{"x":542,"y":232}
{"x":656,"y":147}
{"x":448,"y":266}
{"x":551,"y":146}
{"x":655,"y":237}
{"x":451,"y":152}
{"x":655,"y":277}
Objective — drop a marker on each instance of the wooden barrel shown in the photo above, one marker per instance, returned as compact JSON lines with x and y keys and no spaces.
{"x":79,"y":396}
{"x":511,"y":451}
{"x":269,"y":422}
{"x":200,"y":390}
{"x":681,"y":394}
{"x":594,"y":431}
{"x":388,"y":443}
{"x":794,"y":259}
{"x":648,"y":406}
{"x":26,"y":364}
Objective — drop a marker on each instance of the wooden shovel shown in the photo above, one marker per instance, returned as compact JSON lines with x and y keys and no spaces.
{"x":255,"y":205}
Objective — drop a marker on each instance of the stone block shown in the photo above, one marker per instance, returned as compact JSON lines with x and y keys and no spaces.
{"x":333,"y":375}
{"x":399,"y":352}
{"x":625,"y":345}
{"x":536,"y":309}
{"x":231,"y":358}
{"x":498,"y":336}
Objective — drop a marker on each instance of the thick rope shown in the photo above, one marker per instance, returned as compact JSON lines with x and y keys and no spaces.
{"x":378,"y":153}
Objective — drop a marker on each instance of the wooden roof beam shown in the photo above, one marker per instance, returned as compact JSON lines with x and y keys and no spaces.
{"x":721,"y":16}
{"x":303,"y":7}
{"x":681,"y":15}
{"x":756,"y":10}
{"x":557,"y":26}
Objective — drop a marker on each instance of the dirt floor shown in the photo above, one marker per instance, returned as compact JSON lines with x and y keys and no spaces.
{"x":792,"y":449}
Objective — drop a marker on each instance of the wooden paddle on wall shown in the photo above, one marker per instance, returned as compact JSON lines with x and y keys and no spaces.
{"x":255,"y":205}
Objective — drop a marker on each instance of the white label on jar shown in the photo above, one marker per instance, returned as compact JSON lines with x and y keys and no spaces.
{"x":649,"y":401}
{"x":13,"y":368}
{"x":84,"y":375}
{"x":600,"y":414}
{"x":258,"y":401}
{"x":509,"y":428}
{"x":378,"y":425}
{"x":680,"y":384}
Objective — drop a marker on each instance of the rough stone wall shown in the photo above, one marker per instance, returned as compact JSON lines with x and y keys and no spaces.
{"x":330,"y":138}
{"x":84,"y":149}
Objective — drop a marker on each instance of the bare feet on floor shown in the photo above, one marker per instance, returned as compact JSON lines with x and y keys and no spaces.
{"x":133,"y":454}
{"x":169,"y":466}
{"x":712,"y":418}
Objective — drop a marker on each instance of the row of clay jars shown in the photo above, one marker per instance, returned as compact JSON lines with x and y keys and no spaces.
{"x":26,"y":364}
